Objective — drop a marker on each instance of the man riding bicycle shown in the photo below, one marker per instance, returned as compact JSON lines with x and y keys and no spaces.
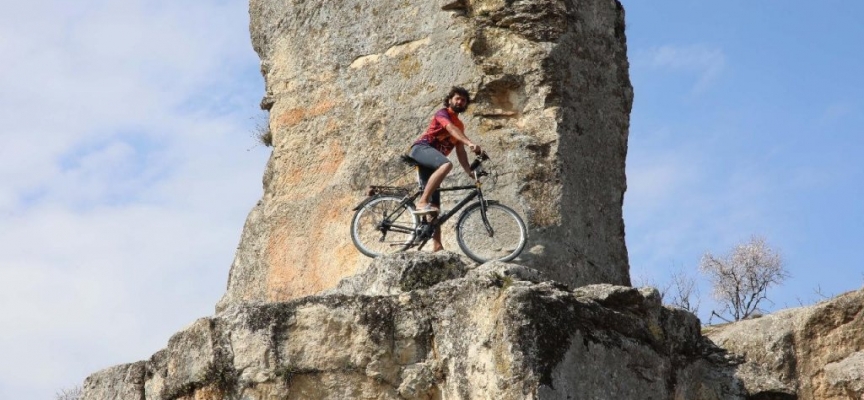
{"x":430,"y":151}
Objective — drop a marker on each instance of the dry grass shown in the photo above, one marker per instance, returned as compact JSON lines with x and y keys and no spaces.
{"x":262,"y":130}
{"x":69,"y":394}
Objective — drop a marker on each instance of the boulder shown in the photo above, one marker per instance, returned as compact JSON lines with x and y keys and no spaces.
{"x":804,"y":353}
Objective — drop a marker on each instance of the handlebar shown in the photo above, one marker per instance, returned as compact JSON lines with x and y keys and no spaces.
{"x":476,"y":165}
{"x":479,"y":160}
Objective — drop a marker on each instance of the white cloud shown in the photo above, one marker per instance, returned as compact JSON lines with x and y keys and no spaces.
{"x":706,"y":62}
{"x":114,"y":66}
{"x":124,"y":178}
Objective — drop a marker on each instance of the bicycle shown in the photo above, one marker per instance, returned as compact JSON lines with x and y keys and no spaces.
{"x":486,"y":230}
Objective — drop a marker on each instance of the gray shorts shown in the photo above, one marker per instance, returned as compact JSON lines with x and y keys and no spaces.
{"x":430,"y":160}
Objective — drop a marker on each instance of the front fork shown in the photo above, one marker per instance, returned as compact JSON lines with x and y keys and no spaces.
{"x":483,"y":212}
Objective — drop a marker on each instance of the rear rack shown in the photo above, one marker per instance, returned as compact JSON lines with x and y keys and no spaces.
{"x":390,"y":190}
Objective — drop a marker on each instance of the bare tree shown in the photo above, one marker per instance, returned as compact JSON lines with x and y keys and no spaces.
{"x":682,"y":292}
{"x":741,"y":278}
{"x":69,"y":394}
{"x":641,"y":280}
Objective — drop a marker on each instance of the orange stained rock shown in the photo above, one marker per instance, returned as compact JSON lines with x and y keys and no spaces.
{"x":294,"y":116}
{"x":289,"y":118}
{"x":304,"y":258}
{"x":298,"y":179}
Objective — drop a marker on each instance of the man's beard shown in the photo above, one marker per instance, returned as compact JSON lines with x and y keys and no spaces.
{"x":458,"y":109}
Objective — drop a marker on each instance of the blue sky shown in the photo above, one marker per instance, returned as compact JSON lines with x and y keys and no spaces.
{"x":127,"y":163}
{"x":747,"y":120}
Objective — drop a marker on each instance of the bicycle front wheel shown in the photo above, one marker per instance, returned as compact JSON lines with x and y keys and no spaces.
{"x":383,"y":225}
{"x":500,"y":234}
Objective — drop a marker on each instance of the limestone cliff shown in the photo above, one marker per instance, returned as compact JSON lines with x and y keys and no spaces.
{"x":350,"y":84}
{"x":423,"y":326}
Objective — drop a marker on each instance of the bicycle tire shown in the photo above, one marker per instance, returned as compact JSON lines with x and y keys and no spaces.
{"x":383,"y":225}
{"x":507,"y":241}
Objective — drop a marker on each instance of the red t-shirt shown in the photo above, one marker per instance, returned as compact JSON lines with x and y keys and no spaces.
{"x":437,"y":136}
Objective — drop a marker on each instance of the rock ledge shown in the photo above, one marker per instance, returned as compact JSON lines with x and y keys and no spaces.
{"x":432,"y":326}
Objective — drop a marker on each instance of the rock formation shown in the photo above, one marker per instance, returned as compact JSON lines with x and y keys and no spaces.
{"x":350,"y":84}
{"x":434,"y":326}
{"x":809,"y":353}
{"x":424,"y":326}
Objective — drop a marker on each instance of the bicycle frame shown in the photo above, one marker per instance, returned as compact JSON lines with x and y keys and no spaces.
{"x":427,"y":227}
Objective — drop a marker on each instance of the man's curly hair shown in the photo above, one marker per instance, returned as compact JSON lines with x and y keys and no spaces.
{"x":460,"y":91}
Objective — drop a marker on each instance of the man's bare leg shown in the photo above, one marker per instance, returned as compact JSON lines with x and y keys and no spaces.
{"x":434,"y":182}
{"x":436,"y":240}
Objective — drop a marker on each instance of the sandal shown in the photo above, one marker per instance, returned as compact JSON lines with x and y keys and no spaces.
{"x":428,"y":209}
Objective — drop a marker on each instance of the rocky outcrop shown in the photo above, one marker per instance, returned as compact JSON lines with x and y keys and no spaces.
{"x":419,"y":326}
{"x":806,"y":353}
{"x":350,"y":84}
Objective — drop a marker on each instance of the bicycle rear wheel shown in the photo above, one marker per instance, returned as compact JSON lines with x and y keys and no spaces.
{"x":383,"y":225}
{"x":504,"y":241}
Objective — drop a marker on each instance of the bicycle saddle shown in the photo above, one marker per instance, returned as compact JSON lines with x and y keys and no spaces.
{"x":408,"y":160}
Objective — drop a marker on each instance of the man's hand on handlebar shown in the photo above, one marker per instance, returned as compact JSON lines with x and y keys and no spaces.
{"x":475,"y":148}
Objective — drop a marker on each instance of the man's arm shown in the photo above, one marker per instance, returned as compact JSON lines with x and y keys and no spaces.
{"x":461,"y":138}
{"x":462,"y":156}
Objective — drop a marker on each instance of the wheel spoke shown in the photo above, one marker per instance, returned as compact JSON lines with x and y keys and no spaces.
{"x":383,"y":225}
{"x":498,"y":235}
